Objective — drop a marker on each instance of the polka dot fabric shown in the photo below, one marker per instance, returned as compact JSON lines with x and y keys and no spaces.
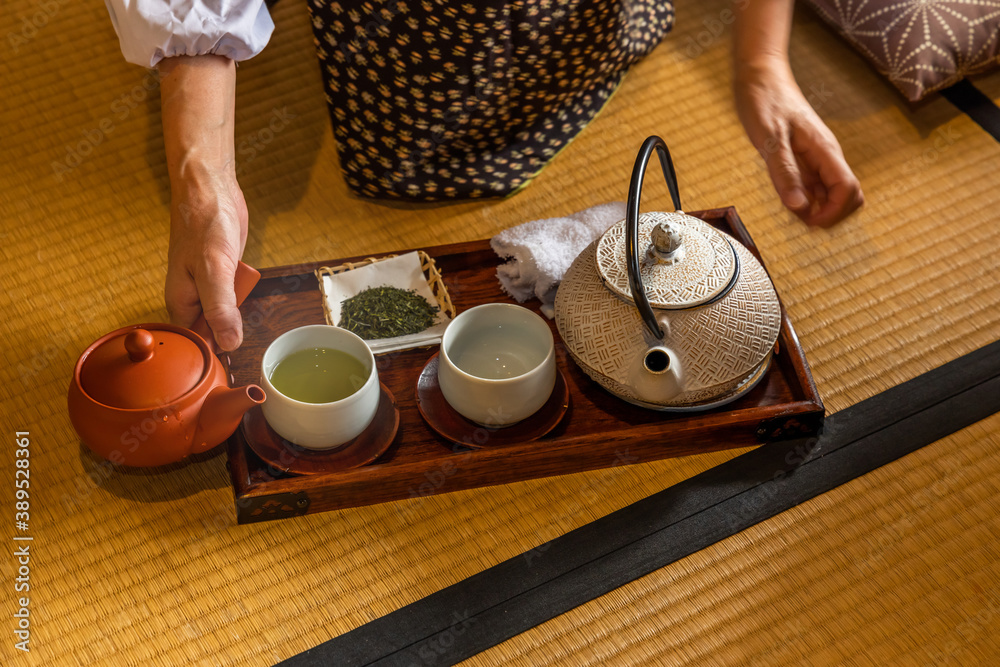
{"x":434,"y":100}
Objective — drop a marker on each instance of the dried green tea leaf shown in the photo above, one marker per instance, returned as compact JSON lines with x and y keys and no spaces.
{"x":386,"y":312}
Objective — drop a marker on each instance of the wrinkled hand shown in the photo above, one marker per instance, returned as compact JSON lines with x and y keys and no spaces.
{"x":804,"y":159}
{"x":208,"y":231}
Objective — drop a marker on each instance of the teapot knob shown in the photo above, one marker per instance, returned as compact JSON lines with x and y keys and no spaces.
{"x":667,"y":244}
{"x":139,"y":344}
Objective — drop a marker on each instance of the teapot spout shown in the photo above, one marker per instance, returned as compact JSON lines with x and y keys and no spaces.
{"x":221,"y":414}
{"x":656,"y":375}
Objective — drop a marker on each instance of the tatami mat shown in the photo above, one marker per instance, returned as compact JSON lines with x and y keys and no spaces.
{"x":134,"y":568}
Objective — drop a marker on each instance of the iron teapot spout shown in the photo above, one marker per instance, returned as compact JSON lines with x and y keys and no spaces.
{"x":656,"y":376}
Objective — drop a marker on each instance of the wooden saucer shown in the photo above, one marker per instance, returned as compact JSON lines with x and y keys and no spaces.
{"x":446,"y":422}
{"x":287,"y":457}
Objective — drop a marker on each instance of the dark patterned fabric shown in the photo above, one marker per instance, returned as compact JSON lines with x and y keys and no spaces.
{"x":435,"y":100}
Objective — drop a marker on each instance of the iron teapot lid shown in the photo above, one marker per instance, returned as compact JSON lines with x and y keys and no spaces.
{"x":686,"y":261}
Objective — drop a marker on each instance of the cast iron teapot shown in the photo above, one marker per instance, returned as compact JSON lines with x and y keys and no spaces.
{"x":664,"y":310}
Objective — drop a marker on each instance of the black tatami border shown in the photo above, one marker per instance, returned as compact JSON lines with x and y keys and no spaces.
{"x":976,"y":105}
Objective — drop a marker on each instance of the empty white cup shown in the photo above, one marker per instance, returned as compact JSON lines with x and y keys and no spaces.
{"x":497,"y":364}
{"x":320,"y":425}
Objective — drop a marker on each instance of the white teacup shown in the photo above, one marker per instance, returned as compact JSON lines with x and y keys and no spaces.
{"x":497,"y":364}
{"x":320,"y":425}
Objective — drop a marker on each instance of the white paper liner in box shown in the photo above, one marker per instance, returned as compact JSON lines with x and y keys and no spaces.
{"x":403,"y":272}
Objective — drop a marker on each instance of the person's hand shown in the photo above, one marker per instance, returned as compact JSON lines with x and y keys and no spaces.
{"x":208,"y":231}
{"x":208,"y":214}
{"x":803,"y":157}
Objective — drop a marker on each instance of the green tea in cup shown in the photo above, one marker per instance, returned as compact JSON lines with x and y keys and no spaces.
{"x":319,"y":375}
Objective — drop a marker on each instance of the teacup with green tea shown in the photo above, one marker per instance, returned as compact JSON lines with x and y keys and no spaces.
{"x":322,"y":384}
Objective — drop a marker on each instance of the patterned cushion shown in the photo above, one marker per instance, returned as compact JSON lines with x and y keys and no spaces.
{"x":920,"y":45}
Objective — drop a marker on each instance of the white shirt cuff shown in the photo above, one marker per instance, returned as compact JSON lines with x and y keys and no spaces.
{"x":151,"y":30}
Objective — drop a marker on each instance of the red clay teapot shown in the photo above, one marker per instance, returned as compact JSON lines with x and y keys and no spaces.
{"x":152,"y":394}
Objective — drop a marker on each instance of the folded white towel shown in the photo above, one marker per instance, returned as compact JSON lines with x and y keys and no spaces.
{"x":541,"y":251}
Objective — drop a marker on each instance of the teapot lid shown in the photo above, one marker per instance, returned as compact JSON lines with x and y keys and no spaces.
{"x":687,"y":262}
{"x":144,"y":367}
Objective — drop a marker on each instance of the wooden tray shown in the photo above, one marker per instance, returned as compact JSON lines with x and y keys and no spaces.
{"x":598,"y":431}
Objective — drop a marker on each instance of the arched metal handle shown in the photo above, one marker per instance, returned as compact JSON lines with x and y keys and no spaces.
{"x":632,"y":225}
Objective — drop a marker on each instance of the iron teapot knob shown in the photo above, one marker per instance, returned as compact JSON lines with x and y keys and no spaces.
{"x":653,"y":143}
{"x":667,"y":244}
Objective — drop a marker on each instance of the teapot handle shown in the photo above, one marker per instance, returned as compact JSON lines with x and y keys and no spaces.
{"x":632,"y":225}
{"x":246,"y":279}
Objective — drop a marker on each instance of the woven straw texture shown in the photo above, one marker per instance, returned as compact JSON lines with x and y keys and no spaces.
{"x":136,"y":568}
